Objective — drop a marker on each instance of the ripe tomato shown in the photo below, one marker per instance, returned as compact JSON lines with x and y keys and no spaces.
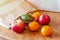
{"x":44,"y":19}
{"x":34,"y":26}
{"x":36,"y":15}
{"x":46,"y":31}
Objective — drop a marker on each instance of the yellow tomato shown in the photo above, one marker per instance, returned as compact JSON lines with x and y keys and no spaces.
{"x":46,"y":31}
{"x":36,"y":15}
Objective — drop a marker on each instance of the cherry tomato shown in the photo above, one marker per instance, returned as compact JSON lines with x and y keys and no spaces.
{"x":46,"y":31}
{"x":36,"y":15}
{"x":27,"y":18}
{"x":34,"y":26}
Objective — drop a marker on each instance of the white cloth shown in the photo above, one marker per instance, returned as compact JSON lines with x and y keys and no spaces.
{"x":49,"y":5}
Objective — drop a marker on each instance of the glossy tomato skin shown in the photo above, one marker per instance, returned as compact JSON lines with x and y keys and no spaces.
{"x":46,"y":30}
{"x":36,"y":15}
{"x":44,"y":19}
{"x":18,"y":27}
{"x":34,"y":26}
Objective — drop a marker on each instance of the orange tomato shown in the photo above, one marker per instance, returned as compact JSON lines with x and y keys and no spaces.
{"x":36,"y":15}
{"x":34,"y":26}
{"x":46,"y":31}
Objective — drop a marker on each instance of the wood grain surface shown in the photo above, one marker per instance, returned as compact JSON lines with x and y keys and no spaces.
{"x":28,"y":35}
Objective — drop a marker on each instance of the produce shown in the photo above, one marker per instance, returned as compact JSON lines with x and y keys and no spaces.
{"x":27,"y":18}
{"x":36,"y":15}
{"x":44,"y":19}
{"x":18,"y":26}
{"x":34,"y":26}
{"x":46,"y":30}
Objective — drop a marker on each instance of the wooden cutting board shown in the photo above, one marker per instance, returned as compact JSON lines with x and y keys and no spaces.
{"x":27,"y":35}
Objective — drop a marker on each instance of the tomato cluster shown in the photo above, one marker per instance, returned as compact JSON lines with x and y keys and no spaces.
{"x":34,"y":20}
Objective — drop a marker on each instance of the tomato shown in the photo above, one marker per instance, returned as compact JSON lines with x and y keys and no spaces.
{"x":44,"y":19}
{"x":27,"y":17}
{"x":36,"y":15}
{"x":34,"y":26}
{"x":46,"y":30}
{"x":18,"y":26}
